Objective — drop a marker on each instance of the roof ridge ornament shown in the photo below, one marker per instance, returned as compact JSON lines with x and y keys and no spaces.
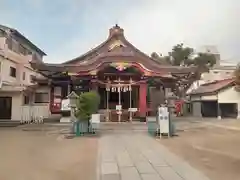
{"x":116,"y":30}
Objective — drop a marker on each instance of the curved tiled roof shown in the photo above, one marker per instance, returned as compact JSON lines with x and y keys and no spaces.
{"x":115,"y":33}
{"x":108,"y":52}
{"x":213,"y":87}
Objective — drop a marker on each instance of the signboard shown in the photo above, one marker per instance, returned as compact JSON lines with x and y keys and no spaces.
{"x":163,"y":120}
{"x":95,"y":121}
{"x":95,"y":118}
{"x":118,"y":107}
{"x":81,"y":88}
{"x":132,"y":109}
{"x":65,"y":105}
{"x":82,"y":85}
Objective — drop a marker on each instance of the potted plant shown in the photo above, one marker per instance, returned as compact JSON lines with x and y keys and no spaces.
{"x":87,"y":104}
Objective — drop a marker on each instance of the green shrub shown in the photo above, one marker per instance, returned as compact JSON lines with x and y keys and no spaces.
{"x":87,"y":104}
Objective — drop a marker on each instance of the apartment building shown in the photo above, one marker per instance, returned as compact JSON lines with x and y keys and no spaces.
{"x":17,"y":92}
{"x":214,"y":95}
{"x":223,"y":69}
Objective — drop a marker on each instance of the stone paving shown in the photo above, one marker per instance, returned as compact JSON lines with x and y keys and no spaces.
{"x":137,"y":156}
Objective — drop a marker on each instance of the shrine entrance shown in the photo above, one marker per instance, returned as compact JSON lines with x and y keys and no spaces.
{"x":119,"y":92}
{"x":113,"y":98}
{"x":120,"y":73}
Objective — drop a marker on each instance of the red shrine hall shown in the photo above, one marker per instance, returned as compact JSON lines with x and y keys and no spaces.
{"x":119,"y":72}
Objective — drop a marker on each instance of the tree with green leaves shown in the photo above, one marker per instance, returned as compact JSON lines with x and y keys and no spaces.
{"x":180,"y":55}
{"x":87,"y":104}
{"x":184,"y":56}
{"x":165,"y":60}
{"x":204,"y":60}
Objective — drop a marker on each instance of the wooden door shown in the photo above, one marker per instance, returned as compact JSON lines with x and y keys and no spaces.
{"x":5,"y":107}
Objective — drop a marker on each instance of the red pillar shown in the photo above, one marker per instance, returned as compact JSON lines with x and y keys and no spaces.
{"x":143,"y":99}
{"x":51,"y":99}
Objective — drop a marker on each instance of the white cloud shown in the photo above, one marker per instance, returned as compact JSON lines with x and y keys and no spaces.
{"x":157,"y":25}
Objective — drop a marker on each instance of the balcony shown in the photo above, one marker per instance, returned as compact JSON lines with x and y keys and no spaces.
{"x":17,"y":58}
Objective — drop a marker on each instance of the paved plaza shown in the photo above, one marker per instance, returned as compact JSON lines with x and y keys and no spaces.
{"x":46,"y":155}
{"x":136,"y":156}
{"x":210,"y":145}
{"x":122,"y":152}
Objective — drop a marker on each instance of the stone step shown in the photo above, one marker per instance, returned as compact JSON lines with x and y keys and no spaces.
{"x":47,"y":127}
{"x":54,"y":118}
{"x":9,"y":123}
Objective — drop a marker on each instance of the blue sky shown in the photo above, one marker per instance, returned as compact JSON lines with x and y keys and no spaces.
{"x":65,"y":29}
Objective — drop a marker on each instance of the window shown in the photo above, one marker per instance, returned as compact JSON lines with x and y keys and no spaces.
{"x":26,"y":100}
{"x":13,"y":72}
{"x":35,"y":57}
{"x":9,"y":43}
{"x":23,"y":50}
{"x":24,"y":76}
{"x":41,"y":97}
{"x":13,"y":45}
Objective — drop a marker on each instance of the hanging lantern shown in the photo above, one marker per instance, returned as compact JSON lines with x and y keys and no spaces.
{"x":113,"y":89}
{"x":130,"y":88}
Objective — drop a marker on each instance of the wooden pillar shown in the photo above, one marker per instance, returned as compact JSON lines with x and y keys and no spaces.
{"x":107,"y":117}
{"x":219,"y":113}
{"x":69,"y":87}
{"x":130,"y":103}
{"x":51,"y":101}
{"x":119,"y":101}
{"x":238,"y":110}
{"x":143,"y":99}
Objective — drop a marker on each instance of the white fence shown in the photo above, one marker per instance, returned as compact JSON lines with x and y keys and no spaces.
{"x":34,"y":113}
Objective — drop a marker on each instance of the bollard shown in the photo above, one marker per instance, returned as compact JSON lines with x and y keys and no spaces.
{"x":78,"y":129}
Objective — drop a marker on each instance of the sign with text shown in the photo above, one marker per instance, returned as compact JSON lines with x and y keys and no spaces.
{"x":95,"y":118}
{"x":163,"y":120}
{"x":132,"y":109}
{"x":118,"y":107}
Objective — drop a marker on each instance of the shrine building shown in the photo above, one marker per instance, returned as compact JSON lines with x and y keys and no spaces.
{"x":125,"y":78}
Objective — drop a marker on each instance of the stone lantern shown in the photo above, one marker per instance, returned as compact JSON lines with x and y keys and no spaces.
{"x":73,"y":104}
{"x":72,"y":99}
{"x":170,"y":97}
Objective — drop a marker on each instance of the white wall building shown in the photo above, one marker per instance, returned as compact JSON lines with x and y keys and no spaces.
{"x":223,"y":69}
{"x":217,"y":99}
{"x":18,"y":99}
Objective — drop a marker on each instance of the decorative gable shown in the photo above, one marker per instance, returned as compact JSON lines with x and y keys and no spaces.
{"x":115,"y":44}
